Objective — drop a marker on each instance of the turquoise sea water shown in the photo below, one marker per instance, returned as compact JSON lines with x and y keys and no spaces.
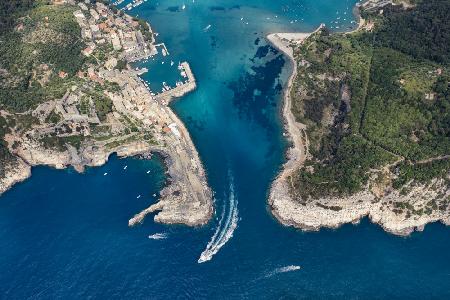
{"x":65,"y":235}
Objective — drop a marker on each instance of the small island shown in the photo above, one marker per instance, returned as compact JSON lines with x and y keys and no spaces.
{"x":70,"y":97}
{"x":368,"y":116}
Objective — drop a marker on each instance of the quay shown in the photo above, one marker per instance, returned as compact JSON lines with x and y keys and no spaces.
{"x":164,"y":50}
{"x":165,"y":97}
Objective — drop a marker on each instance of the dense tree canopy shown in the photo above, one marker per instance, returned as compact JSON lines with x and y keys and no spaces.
{"x":9,"y":10}
{"x":397,"y":79}
{"x":422,"y":32}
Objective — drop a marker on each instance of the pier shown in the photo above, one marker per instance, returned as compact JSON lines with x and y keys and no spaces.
{"x":180,"y":90}
{"x":164,"y":50}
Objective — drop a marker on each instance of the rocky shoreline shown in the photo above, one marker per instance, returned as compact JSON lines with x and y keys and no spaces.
{"x":334,"y":212}
{"x":14,"y":173}
{"x":186,"y":199}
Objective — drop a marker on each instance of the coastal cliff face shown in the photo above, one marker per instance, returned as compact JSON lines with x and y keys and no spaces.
{"x":77,"y":100}
{"x":368,"y":119}
{"x":14,"y":172}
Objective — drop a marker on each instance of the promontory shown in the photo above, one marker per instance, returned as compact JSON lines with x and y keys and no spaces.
{"x":368,"y":116}
{"x":71,"y":96}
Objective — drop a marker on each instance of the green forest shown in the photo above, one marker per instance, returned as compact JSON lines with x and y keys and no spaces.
{"x":399,"y":105}
{"x":10,"y":10}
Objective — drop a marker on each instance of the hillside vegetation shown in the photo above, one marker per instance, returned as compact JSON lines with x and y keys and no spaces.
{"x":376,"y":103}
{"x":40,"y":52}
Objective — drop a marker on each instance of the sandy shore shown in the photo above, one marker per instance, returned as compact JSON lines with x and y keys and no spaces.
{"x":280,"y":200}
{"x":334,"y":212}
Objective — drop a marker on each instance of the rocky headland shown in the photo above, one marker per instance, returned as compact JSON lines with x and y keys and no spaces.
{"x":398,"y":209}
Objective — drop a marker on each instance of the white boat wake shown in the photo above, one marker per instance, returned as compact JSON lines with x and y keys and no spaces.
{"x":286,"y":269}
{"x":225,"y":229}
{"x":158,"y":236}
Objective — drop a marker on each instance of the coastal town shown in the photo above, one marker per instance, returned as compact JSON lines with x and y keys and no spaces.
{"x":107,"y":108}
{"x":224,"y":149}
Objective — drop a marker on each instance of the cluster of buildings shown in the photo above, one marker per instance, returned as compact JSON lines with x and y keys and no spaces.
{"x":132,"y":100}
{"x":76,"y":106}
{"x":76,"y":110}
{"x":135,"y":102}
{"x":100,"y":25}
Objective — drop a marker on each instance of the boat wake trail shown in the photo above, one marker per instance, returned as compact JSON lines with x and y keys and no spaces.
{"x":157,"y":236}
{"x":286,"y":269}
{"x":224,"y":231}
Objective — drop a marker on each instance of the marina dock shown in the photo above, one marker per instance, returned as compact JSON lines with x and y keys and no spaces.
{"x":181,"y":89}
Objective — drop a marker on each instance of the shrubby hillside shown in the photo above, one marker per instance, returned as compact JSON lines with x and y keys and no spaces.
{"x":376,"y":102}
{"x":40,"y":42}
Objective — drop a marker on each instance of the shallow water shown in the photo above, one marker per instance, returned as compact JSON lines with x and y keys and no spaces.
{"x":65,"y":235}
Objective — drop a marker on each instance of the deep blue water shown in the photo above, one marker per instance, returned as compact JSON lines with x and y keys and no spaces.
{"x":65,"y":235}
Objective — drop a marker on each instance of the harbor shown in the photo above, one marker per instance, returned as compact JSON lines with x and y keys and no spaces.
{"x":182,"y":87}
{"x":66,"y":234}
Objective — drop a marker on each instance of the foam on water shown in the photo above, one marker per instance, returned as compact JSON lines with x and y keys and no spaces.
{"x":286,"y":269}
{"x":225,"y":229}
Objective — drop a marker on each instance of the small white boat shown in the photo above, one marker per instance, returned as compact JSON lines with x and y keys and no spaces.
{"x":165,"y":86}
{"x":157,"y":236}
{"x":125,"y":167}
{"x":148,"y":172}
{"x":139,"y":196}
{"x":105,"y":174}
